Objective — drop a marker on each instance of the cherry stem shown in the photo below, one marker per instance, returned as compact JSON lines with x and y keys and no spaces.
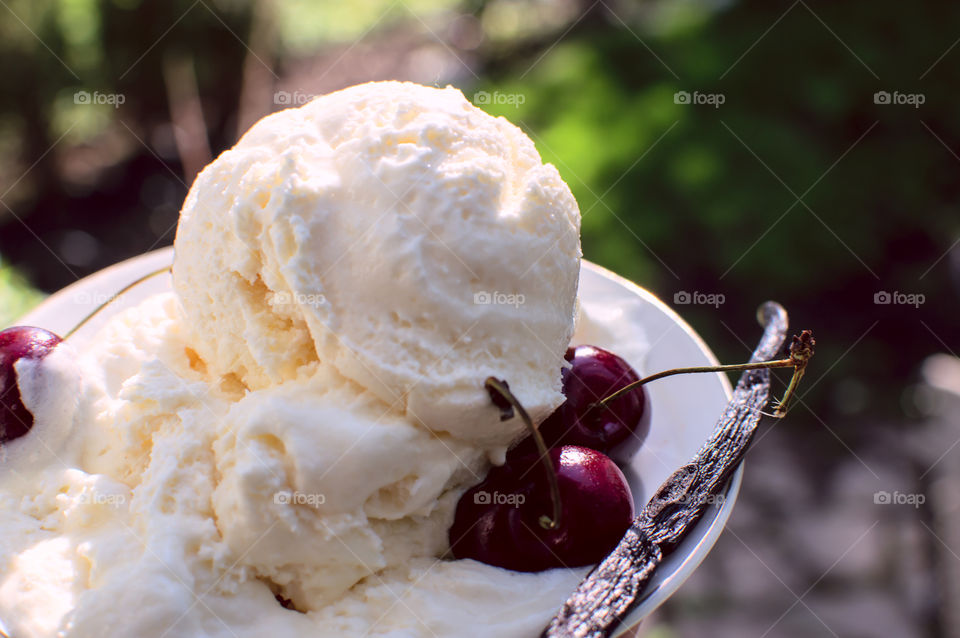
{"x":780,"y":363}
{"x":801,"y":350}
{"x":501,"y":388}
{"x":114,"y":298}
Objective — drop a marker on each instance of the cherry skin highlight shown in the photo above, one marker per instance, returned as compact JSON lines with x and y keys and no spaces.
{"x":498,"y":521}
{"x":618,"y":428}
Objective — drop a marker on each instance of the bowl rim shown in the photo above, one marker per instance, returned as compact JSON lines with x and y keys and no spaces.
{"x":716,"y":523}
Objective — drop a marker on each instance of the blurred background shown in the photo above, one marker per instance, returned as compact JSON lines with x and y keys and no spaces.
{"x":722,"y":153}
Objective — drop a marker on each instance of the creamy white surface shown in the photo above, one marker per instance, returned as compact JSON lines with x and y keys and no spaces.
{"x":360,"y":229}
{"x":323,"y":347}
{"x":138,"y":528}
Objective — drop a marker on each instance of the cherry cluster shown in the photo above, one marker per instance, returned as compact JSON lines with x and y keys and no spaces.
{"x":519,"y":517}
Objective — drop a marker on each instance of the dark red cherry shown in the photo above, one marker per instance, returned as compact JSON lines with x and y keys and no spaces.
{"x":618,"y":428}
{"x":19,"y":342}
{"x":498,"y":521}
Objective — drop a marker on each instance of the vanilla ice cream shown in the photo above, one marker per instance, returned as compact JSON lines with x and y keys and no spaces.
{"x":279,"y":445}
{"x":397,"y":234}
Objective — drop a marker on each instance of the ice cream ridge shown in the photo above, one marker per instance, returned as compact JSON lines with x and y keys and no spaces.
{"x":277,"y":447}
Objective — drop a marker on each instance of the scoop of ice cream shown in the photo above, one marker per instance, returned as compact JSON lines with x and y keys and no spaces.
{"x":301,"y":418}
{"x":308,"y":486}
{"x":396,"y":233}
{"x":308,"y":470}
{"x":191,"y":502}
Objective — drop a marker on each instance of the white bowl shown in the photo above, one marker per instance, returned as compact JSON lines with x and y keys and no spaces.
{"x":685,"y":408}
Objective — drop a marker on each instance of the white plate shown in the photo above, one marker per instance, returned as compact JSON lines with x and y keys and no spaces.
{"x":685,"y":408}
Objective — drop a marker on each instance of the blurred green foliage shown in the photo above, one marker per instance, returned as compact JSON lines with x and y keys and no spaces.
{"x":17,"y":296}
{"x":798,"y":187}
{"x":685,"y":197}
{"x":306,"y":25}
